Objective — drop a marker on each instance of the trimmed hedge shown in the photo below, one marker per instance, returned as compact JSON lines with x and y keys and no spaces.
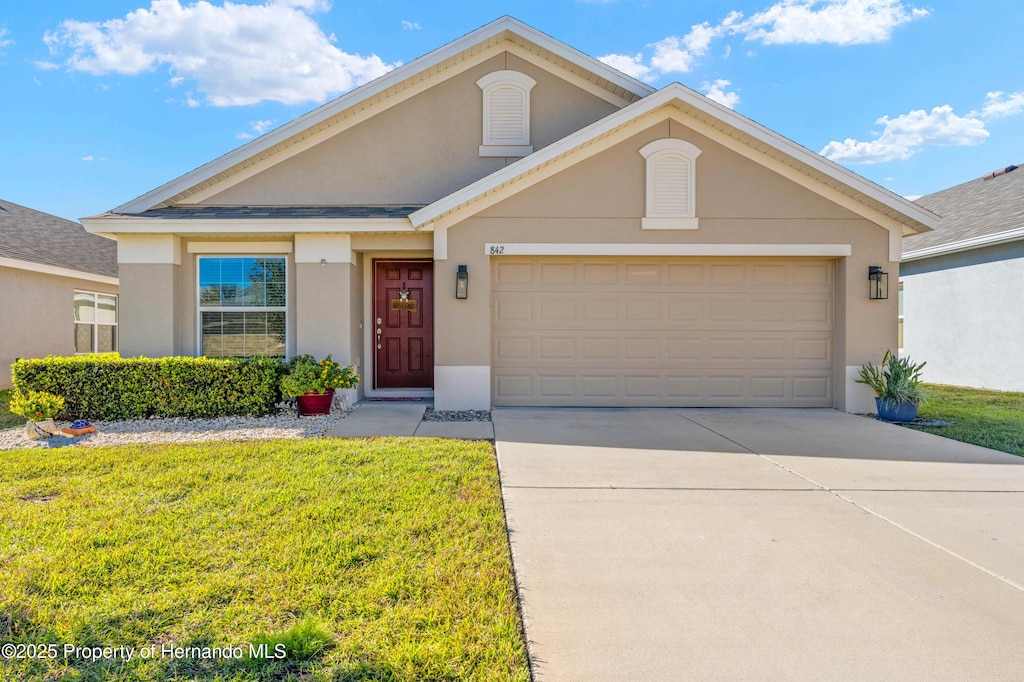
{"x":108,"y":386}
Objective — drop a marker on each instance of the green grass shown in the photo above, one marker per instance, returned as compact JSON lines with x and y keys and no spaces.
{"x":993,"y":419}
{"x":7,"y":419}
{"x":382,"y":559}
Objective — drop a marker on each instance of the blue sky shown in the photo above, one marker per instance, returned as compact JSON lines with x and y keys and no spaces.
{"x":103,"y":100}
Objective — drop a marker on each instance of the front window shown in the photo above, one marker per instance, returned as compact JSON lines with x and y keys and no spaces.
{"x":242,"y":306}
{"x":95,"y":322}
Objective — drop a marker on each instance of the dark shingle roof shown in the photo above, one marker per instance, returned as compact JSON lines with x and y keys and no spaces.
{"x":974,"y":209}
{"x":38,"y":237}
{"x":279,"y":212}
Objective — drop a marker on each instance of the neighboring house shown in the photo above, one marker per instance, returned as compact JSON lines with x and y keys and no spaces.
{"x":963,"y":285}
{"x":621,"y":245}
{"x":58,"y":288}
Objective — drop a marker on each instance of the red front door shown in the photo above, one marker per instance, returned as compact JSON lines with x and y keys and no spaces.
{"x":403,"y":318}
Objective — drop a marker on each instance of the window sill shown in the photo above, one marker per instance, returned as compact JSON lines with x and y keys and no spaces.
{"x":668,"y":223}
{"x":505,"y":150}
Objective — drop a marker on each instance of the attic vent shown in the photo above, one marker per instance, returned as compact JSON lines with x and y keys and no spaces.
{"x":1001,"y":171}
{"x":506,"y":113}
{"x":671,"y":184}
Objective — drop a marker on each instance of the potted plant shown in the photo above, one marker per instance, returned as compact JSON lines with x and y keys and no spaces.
{"x":312,"y":382}
{"x":897,"y":387}
{"x":39,"y":408}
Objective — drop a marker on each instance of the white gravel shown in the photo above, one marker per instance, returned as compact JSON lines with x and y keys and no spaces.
{"x":285,"y":424}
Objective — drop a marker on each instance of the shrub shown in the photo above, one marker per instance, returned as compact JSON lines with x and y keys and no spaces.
{"x":36,"y":405}
{"x":110,"y":387}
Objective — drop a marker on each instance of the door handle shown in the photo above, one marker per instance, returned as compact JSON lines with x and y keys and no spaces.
{"x":378,"y":337}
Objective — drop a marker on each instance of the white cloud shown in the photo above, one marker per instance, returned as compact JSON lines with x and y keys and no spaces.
{"x":999,"y":105}
{"x":47,"y":66}
{"x":678,"y":55}
{"x":838,"y":22}
{"x":631,"y":66}
{"x":88,"y":158}
{"x":903,"y":136}
{"x":258,"y":128}
{"x":237,"y":54}
{"x":716,"y":92}
{"x":4,"y":40}
{"x":410,"y":26}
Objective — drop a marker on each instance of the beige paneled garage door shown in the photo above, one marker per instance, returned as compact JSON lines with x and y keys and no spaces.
{"x":662,"y":331}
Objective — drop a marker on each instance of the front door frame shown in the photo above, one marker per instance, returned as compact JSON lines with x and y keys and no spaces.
{"x":374,"y":260}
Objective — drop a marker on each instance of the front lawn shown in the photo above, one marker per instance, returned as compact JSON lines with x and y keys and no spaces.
{"x":381,"y":559}
{"x":993,"y":419}
{"x":7,"y":419}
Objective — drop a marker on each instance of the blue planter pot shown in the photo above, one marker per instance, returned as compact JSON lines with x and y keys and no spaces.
{"x":896,"y":412}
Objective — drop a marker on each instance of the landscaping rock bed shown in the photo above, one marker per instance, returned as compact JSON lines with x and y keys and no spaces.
{"x":285,"y":424}
{"x":456,"y":416}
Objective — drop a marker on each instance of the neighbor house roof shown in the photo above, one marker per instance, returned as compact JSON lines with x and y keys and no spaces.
{"x":392,"y":87}
{"x":34,"y":240}
{"x":975,"y":214}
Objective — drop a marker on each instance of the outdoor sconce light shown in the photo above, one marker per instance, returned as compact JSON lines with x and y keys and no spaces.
{"x":323,"y":262}
{"x":878,"y":283}
{"x":462,"y":283}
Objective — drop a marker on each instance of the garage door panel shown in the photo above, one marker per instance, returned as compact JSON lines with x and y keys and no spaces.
{"x":672,"y":331}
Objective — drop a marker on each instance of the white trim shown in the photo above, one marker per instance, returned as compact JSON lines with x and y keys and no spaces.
{"x":659,"y":223}
{"x":1013,"y":235}
{"x":860,"y":399}
{"x":163,"y":249}
{"x":239,"y":247}
{"x":489,"y":150}
{"x":436,"y":61}
{"x":132,"y":225}
{"x":772,"y":250}
{"x":813,"y":169}
{"x":332,"y":248}
{"x":54,"y":270}
{"x":462,"y":387}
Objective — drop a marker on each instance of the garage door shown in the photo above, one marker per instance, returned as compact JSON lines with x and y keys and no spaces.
{"x":662,"y":331}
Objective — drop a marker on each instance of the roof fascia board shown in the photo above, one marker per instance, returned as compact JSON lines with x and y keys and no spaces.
{"x":133,"y":225}
{"x":371,"y":89}
{"x":1016,"y":234}
{"x":58,"y":271}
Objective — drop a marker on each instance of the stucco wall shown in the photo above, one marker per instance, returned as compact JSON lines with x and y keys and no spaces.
{"x":37,"y":315}
{"x":962,"y":315}
{"x":602,"y":200}
{"x":418,"y":151}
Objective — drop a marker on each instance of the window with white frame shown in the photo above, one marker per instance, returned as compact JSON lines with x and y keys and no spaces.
{"x":242,"y":306}
{"x":95,"y":322}
{"x":506,"y":113}
{"x":671,"y":201}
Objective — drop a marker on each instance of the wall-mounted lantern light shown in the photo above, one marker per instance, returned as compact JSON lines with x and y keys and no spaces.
{"x":878,"y":283}
{"x":323,"y":262}
{"x":462,"y":282}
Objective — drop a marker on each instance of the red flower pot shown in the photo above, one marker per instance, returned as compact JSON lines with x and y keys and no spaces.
{"x":315,"y":403}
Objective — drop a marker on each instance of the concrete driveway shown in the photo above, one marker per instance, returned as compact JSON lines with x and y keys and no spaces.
{"x":760,"y":545}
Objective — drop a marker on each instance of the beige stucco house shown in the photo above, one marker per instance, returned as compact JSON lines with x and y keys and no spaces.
{"x":618,"y":245}
{"x":58,"y":288}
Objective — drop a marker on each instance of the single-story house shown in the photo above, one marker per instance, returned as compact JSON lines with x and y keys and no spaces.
{"x":507,"y":221}
{"x":962,"y":286}
{"x":58,"y":288}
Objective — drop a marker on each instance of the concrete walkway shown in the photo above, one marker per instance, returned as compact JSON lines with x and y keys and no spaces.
{"x":371,"y":419}
{"x":760,"y":544}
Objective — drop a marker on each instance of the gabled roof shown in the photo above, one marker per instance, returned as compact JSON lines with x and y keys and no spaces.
{"x":744,"y":134}
{"x":602,"y":77}
{"x":975,"y":214}
{"x":30,"y":237}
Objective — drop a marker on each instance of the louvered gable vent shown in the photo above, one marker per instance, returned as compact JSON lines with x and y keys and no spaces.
{"x":506,"y":108}
{"x":671,"y":184}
